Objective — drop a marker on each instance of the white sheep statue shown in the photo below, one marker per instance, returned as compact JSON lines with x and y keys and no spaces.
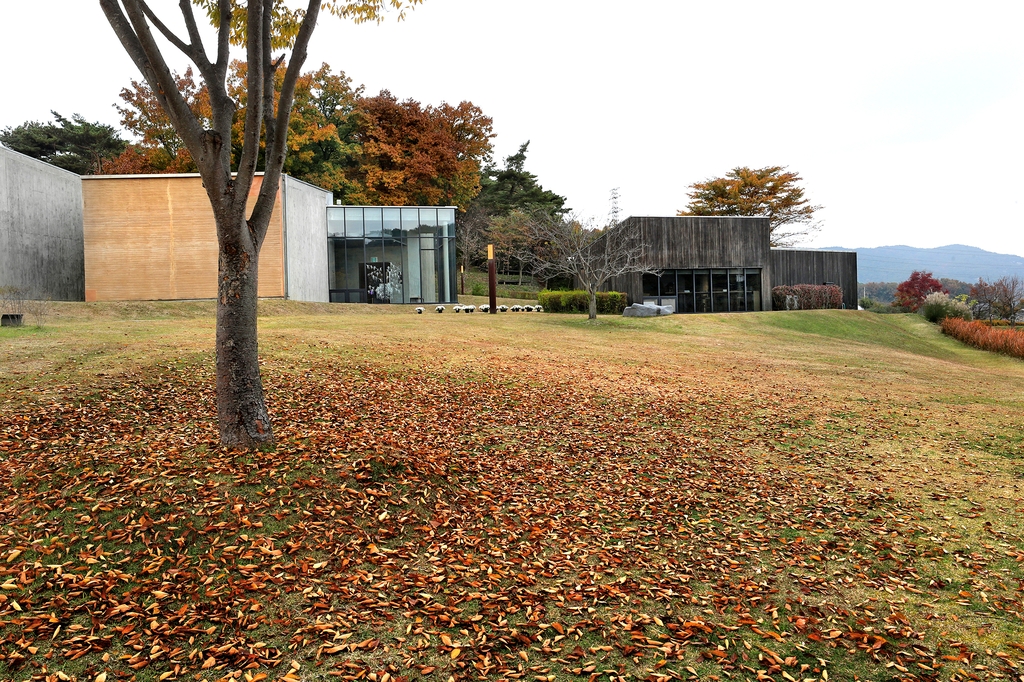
{"x":439,"y":308}
{"x":502,"y":308}
{"x":538,"y":308}
{"x":485,"y":308}
{"x":419,"y":311}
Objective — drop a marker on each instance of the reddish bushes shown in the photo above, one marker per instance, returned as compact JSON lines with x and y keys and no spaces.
{"x":807,"y":297}
{"x":980,"y":335}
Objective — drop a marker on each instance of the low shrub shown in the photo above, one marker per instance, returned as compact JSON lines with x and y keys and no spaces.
{"x":807,"y":297}
{"x":608,"y":302}
{"x":1006,"y":341}
{"x":938,"y":306}
{"x":479,"y":289}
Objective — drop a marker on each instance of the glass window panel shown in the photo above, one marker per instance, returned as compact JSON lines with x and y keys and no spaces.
{"x":685,"y":281}
{"x":336,"y":264}
{"x":428,"y":221}
{"x":720,"y":301}
{"x":446,"y":218}
{"x":428,"y":272}
{"x":668,"y":283}
{"x":702,"y":302}
{"x":335,"y":222}
{"x":719,"y":281}
{"x":650,"y":283}
{"x":686,"y":302}
{"x":353,"y":222}
{"x":701,"y":281}
{"x":453,"y":271}
{"x":353,"y":259}
{"x":374,"y":250}
{"x":736,"y":280}
{"x":372,"y":222}
{"x":753,"y":282}
{"x":443,"y":273}
{"x":413,"y":290}
{"x":393,"y":221}
{"x":410,"y":222}
{"x":394,"y":271}
{"x":736,"y":301}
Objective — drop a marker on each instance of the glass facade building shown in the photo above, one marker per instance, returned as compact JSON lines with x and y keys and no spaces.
{"x":715,"y":290}
{"x":387,"y":254}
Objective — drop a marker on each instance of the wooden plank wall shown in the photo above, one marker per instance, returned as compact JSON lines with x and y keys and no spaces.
{"x":798,"y":266}
{"x":154,"y":238}
{"x":685,"y":242}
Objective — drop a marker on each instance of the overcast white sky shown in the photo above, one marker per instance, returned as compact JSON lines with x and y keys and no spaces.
{"x":905,"y":119}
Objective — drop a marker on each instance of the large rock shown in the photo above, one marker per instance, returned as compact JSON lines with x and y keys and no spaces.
{"x":646,"y":310}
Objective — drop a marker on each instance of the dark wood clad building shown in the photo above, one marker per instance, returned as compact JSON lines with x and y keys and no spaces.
{"x":804,"y":266}
{"x":726,"y":264}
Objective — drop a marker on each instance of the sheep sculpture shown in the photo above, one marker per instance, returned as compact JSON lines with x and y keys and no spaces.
{"x":528,"y":308}
{"x":502,"y":308}
{"x":419,"y":311}
{"x":538,"y":308}
{"x":468,"y":308}
{"x":439,"y":308}
{"x":485,"y":308}
{"x":457,"y":309}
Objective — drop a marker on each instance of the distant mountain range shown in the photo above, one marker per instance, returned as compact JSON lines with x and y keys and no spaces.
{"x":956,"y":261}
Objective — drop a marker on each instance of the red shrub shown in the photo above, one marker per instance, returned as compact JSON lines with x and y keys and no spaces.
{"x":807,"y":296}
{"x":980,"y":335}
{"x":911,"y":293}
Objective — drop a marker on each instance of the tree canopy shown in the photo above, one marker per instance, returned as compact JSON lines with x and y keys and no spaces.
{"x":366,"y":150}
{"x":771,"y":192}
{"x":912,"y":292}
{"x":76,"y":145}
{"x":512,"y":187}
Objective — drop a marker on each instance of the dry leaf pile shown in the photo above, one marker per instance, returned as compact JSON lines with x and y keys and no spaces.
{"x":569,"y":524}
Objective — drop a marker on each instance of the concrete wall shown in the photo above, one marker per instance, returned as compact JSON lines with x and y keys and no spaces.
{"x":153,"y":237}
{"x":41,"y":242}
{"x":305,"y":240}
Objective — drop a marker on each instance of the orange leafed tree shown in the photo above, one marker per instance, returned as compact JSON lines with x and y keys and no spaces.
{"x":771,"y":192}
{"x":411,"y":154}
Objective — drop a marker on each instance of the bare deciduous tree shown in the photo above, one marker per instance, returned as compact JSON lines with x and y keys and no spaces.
{"x":577,"y":249}
{"x":1009,"y":301}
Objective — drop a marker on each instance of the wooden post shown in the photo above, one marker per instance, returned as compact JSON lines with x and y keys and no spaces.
{"x":492,"y":280}
{"x":462,"y":280}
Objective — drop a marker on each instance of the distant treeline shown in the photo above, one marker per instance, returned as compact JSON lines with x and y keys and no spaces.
{"x":885,"y":292}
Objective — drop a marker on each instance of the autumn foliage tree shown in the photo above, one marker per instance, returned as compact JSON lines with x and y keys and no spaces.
{"x":366,"y":150}
{"x":266,"y":29}
{"x":415,"y":154}
{"x":912,"y":292}
{"x":771,"y":192}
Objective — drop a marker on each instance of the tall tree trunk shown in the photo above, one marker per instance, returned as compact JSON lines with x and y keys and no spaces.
{"x":241,"y":409}
{"x":593,"y":305}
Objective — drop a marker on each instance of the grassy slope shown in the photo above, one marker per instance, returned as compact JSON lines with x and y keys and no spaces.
{"x":710,"y":495}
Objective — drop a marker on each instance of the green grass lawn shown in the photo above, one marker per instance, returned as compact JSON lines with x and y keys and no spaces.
{"x":789,"y":496}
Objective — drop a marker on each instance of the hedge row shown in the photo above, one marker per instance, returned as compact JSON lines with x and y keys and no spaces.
{"x":608,"y":302}
{"x":807,"y":297}
{"x":980,"y":335}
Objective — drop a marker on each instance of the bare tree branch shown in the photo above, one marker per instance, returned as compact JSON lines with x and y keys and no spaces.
{"x":275,"y":154}
{"x":569,"y":247}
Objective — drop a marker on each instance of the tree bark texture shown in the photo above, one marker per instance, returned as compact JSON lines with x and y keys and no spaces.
{"x":593,"y":305}
{"x":242,"y":415}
